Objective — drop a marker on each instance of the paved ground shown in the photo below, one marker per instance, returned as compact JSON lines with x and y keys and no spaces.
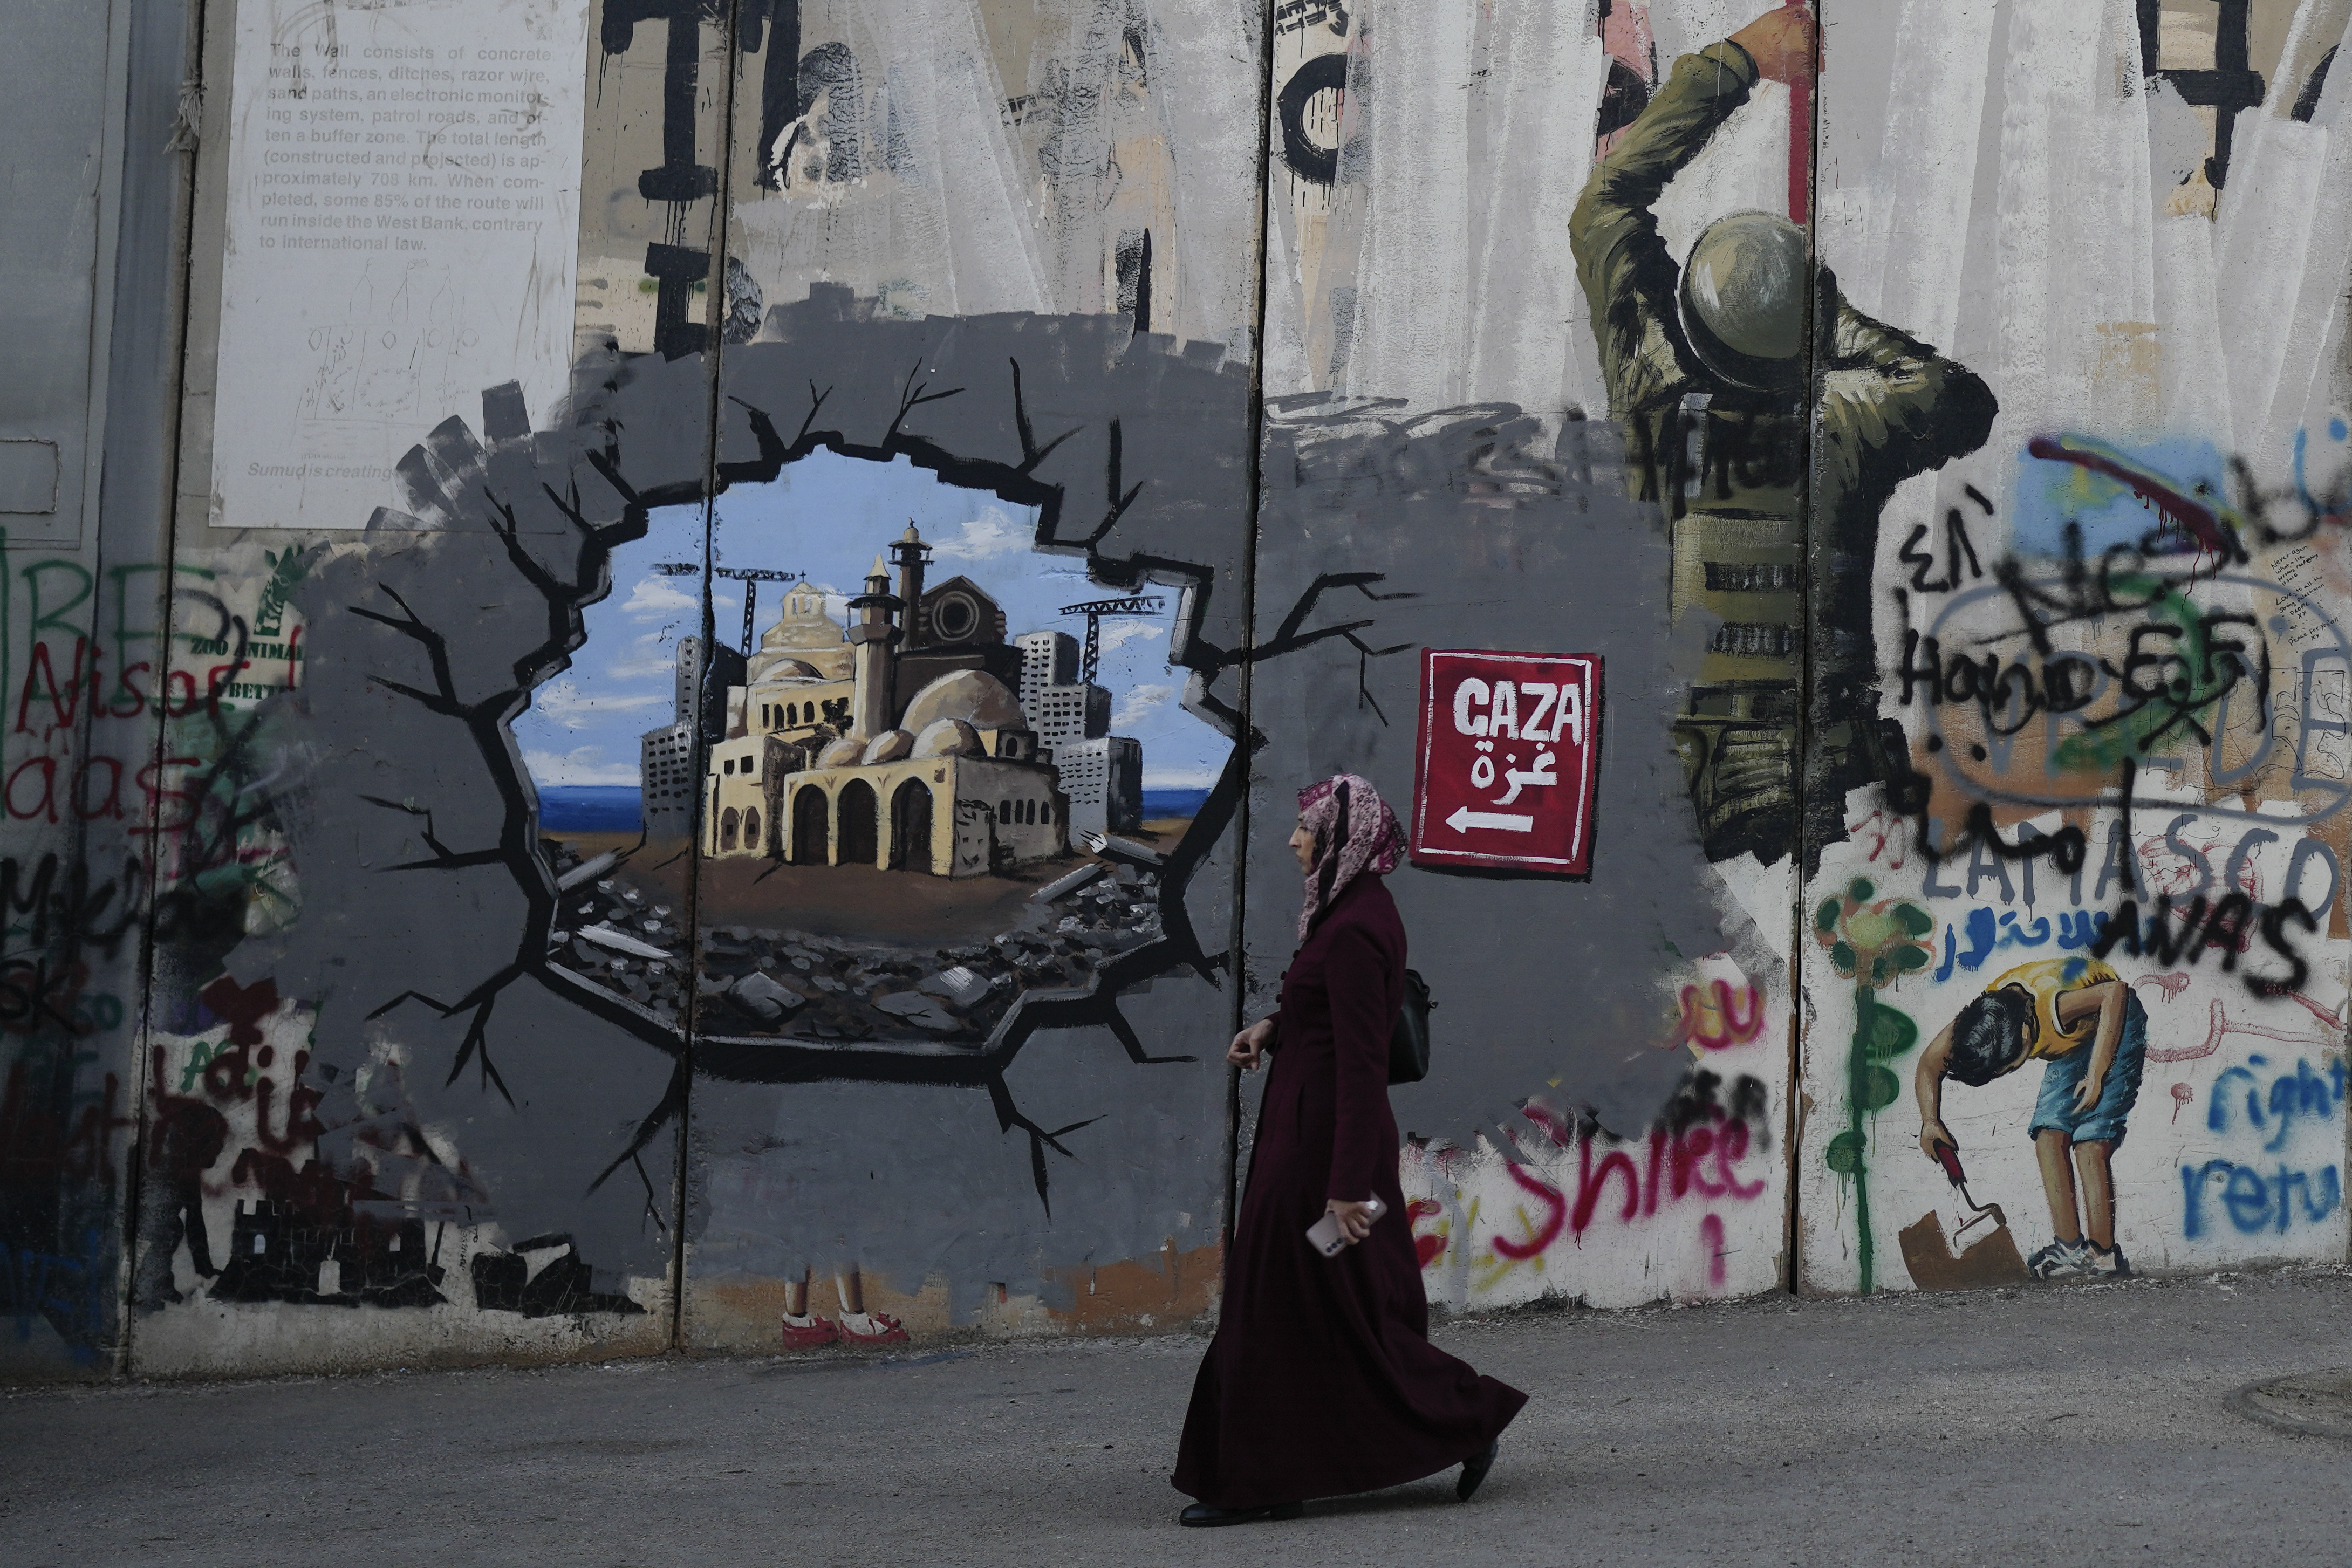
{"x":2044,"y":1426}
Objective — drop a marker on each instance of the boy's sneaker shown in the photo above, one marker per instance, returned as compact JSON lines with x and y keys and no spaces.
{"x":2060,"y":1261}
{"x":2105,"y":1264}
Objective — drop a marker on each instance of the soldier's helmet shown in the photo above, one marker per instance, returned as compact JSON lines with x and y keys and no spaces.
{"x":1743,"y":300}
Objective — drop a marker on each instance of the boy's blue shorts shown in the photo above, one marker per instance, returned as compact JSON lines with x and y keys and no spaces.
{"x":2104,"y":1122}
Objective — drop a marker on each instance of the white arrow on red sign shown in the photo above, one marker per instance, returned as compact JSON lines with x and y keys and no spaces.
{"x":1464,"y":818}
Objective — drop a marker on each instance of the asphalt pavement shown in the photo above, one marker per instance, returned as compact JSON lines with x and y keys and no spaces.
{"x":2040,"y":1426}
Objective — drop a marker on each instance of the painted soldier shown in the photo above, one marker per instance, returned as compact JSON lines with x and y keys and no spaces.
{"x":1739,"y":431}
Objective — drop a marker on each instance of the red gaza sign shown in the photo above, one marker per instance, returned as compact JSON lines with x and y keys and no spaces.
{"x":1509,"y":759}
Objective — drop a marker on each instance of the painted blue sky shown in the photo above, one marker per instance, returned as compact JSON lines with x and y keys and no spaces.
{"x":2049,"y":495}
{"x":826,"y":516}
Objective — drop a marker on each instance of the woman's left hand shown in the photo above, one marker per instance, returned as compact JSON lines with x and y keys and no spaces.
{"x":1354,"y":1218}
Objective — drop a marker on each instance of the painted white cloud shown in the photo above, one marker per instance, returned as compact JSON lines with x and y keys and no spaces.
{"x":836,"y":603}
{"x":653,"y":656}
{"x":1135,"y":703}
{"x":658,"y":598}
{"x":991,"y":534}
{"x":567,"y":704}
{"x":1120,"y":633}
{"x":581,"y":764}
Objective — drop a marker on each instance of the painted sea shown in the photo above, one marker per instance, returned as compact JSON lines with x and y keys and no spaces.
{"x":590,"y":809}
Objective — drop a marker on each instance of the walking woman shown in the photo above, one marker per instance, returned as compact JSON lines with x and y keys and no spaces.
{"x":1321,"y":1379}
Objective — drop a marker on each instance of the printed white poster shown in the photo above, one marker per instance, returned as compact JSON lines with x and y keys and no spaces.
{"x":402,"y":211}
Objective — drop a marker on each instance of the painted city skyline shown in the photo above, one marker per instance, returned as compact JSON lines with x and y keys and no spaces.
{"x":826,"y":518}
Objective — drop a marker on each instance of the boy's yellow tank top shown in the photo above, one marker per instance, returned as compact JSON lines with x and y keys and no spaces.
{"x":2047,"y":981}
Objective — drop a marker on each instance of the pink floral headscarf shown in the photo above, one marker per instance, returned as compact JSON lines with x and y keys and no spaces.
{"x":1354,"y":832}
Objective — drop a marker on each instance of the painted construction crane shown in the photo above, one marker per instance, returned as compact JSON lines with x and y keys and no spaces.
{"x":1140,"y":605}
{"x":751,"y":577}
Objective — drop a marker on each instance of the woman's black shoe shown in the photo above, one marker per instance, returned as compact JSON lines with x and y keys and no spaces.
{"x":1474,"y":1470}
{"x":1202,"y":1515}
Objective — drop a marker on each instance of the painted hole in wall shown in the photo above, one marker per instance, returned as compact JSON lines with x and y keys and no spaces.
{"x":921,"y":765}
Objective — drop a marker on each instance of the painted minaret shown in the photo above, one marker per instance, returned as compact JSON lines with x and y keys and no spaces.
{"x":872,"y":634}
{"x":911,"y":554}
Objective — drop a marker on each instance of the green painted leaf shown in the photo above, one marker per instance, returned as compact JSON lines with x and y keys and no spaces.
{"x":1886,"y":1033}
{"x":1915,"y":919}
{"x":1860,"y":890}
{"x":1911,"y":958}
{"x":1844,"y":1153}
{"x":1879,"y":1088}
{"x":1827,"y":919}
{"x":1842,"y":956}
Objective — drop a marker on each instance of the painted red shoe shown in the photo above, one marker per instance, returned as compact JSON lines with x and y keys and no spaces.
{"x":871,"y":1328}
{"x":808,"y":1332}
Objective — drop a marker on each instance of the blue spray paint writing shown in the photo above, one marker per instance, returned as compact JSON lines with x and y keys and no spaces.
{"x":2255,"y":1202}
{"x":1989,"y":931}
{"x":2302,"y":1093}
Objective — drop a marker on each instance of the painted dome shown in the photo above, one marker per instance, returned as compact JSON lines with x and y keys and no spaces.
{"x":791,"y":670}
{"x":889,"y":746}
{"x":976,"y":697}
{"x":803,"y":634}
{"x":948,"y":738}
{"x":841,"y":754}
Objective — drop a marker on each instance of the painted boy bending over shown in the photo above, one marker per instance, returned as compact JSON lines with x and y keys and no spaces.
{"x":2078,"y":1016}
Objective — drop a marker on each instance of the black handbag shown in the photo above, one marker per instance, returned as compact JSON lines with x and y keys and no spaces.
{"x":1409,"y":1041}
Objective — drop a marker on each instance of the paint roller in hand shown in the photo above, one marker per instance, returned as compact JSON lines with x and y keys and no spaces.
{"x":1942,"y":1256}
{"x":1978,"y":1213}
{"x":1801,"y":141}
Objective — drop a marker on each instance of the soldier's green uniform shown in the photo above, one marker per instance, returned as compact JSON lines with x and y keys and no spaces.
{"x":1730,"y":465}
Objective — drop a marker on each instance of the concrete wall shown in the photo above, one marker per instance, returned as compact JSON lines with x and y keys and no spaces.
{"x":449,"y":372}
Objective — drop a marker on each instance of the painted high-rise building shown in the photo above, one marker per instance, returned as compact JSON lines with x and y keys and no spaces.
{"x":668,"y":778}
{"x":1101,"y":773}
{"x":1103,"y":781}
{"x":1062,"y":709}
{"x":667,"y":781}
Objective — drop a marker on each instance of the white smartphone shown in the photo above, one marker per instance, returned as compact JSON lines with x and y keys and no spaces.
{"x":1327,"y":1236}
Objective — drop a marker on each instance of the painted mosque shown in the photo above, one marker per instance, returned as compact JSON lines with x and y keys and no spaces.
{"x":916,"y":738}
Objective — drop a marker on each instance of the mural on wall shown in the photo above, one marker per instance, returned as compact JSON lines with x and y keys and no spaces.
{"x":765,"y":804}
{"x":1736,"y":422}
{"x":2110,"y":638}
{"x":1542,"y":407}
{"x":1547,"y":1135}
{"x":400,"y":1140}
{"x":1016,"y":785}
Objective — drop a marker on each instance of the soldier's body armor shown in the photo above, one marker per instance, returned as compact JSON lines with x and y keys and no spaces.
{"x":1729,"y":468}
{"x":1737,"y":471}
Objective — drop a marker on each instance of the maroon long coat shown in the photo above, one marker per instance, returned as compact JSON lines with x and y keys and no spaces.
{"x":1322,"y":1380}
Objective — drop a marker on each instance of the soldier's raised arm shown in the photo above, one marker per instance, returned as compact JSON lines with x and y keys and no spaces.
{"x":1628,"y":275}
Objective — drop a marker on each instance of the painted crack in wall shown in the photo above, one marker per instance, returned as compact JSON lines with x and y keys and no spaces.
{"x":404,"y":645}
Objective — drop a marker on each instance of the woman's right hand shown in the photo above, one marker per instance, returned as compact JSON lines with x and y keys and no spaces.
{"x":1249,"y":1046}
